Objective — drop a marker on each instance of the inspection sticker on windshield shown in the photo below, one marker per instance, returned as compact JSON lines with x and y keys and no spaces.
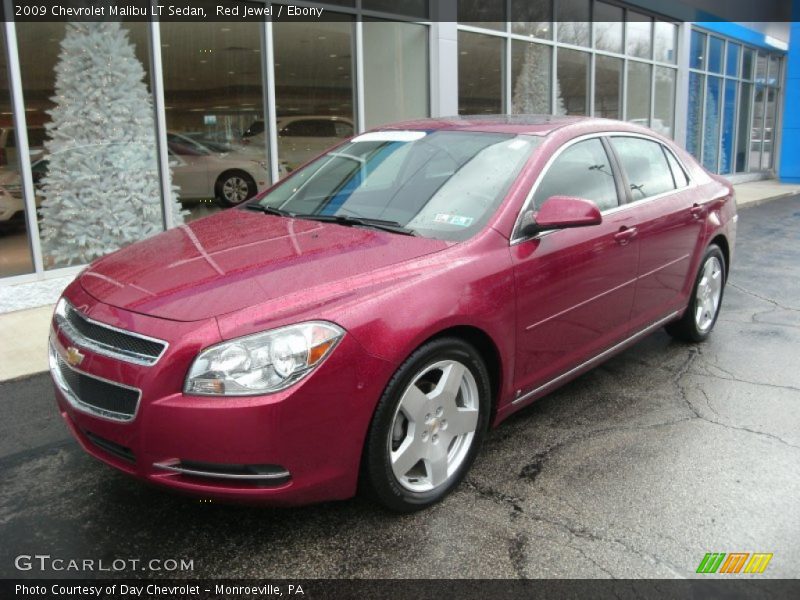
{"x":457,"y":220}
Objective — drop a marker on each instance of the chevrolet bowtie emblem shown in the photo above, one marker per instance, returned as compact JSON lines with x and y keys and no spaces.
{"x":74,"y":356}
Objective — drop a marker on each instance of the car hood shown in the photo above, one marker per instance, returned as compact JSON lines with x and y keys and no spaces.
{"x":238,"y":258}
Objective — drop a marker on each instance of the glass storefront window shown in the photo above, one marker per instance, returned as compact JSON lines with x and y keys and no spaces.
{"x":15,"y":247}
{"x":697,"y":50}
{"x":314,"y":89}
{"x":572,"y":71}
{"x":731,"y":123}
{"x":480,"y":65}
{"x":769,"y":129}
{"x":574,"y":19}
{"x":748,"y":60}
{"x":638,"y":96}
{"x":715,"y":48}
{"x":530,"y":78}
{"x":638,"y":31}
{"x":664,"y":101}
{"x":694,"y":119}
{"x":774,"y":77}
{"x":532,"y":18}
{"x":665,"y":42}
{"x":757,"y":131}
{"x":761,"y":68}
{"x":213,"y":98}
{"x":395,"y":71}
{"x":732,"y":60}
{"x":743,"y":128}
{"x":728,"y":114}
{"x":100,"y":143}
{"x":608,"y":27}
{"x":608,"y":87}
{"x":712,"y":124}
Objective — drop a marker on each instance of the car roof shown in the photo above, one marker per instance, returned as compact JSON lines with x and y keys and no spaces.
{"x":517,"y":124}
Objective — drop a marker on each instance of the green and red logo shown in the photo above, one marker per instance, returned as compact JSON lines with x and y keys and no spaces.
{"x":734,"y":563}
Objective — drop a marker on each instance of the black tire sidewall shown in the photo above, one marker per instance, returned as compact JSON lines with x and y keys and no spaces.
{"x":378,"y":467}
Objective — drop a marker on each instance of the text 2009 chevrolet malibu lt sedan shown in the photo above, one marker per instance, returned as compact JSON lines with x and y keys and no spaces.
{"x":365,"y":320}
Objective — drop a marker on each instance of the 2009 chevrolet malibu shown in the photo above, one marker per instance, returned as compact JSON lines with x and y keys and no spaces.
{"x":367,"y":319}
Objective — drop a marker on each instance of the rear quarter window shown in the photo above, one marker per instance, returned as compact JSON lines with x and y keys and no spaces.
{"x":681,"y":179}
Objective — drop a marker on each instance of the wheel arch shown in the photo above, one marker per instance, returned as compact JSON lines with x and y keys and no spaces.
{"x":485,"y":346}
{"x":721,"y":241}
{"x":232,"y":171}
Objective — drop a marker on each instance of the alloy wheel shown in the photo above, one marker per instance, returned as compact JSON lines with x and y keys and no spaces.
{"x":434,"y":425}
{"x":235,"y":190}
{"x":709,"y":292}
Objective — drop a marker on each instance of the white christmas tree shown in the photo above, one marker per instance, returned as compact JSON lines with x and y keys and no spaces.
{"x":532,"y":87}
{"x":102,"y":188}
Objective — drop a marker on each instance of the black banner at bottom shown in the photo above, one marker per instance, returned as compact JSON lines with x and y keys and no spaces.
{"x":400,"y":589}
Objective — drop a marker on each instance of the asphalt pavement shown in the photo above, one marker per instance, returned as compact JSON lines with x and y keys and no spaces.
{"x":636,"y":469}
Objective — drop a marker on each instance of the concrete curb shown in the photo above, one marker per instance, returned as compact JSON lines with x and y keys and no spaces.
{"x":759,"y":201}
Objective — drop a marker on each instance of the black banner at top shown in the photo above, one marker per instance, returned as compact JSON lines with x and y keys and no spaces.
{"x":467,"y":11}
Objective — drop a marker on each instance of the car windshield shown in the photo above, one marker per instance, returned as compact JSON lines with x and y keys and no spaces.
{"x":439,"y":184}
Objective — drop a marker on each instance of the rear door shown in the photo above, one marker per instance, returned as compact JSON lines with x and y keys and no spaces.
{"x":669,"y":226}
{"x":575,"y":287}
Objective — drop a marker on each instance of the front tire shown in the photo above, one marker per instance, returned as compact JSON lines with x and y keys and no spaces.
{"x":234,"y":187}
{"x":428,"y":426}
{"x":705,"y":301}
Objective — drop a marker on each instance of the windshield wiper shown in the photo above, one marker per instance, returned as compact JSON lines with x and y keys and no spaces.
{"x":271,"y":210}
{"x":382,"y":224}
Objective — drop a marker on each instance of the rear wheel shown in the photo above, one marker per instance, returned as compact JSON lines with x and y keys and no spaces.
{"x":706,"y":299}
{"x":428,"y":426}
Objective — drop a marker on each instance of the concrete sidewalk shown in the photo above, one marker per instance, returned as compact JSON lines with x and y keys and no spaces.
{"x":24,"y":332}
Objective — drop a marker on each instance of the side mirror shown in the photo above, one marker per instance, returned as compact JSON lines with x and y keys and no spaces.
{"x":561,"y":212}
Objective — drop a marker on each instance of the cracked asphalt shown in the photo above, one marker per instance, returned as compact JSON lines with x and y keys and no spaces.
{"x":636,"y":469}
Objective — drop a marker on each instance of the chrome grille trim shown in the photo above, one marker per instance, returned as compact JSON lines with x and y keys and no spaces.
{"x":56,"y":363}
{"x":64,"y":316}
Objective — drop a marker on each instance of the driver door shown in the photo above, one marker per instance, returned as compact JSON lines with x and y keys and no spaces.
{"x":575,"y":287}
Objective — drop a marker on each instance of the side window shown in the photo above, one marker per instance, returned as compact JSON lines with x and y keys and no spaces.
{"x":310,"y":128}
{"x":343,"y":129}
{"x":583,"y":171}
{"x":645,"y":165}
{"x":681,"y":180}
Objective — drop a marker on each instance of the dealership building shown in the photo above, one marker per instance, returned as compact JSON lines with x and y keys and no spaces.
{"x":236,"y":104}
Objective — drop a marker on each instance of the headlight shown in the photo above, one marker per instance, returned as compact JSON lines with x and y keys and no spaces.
{"x":263,"y":362}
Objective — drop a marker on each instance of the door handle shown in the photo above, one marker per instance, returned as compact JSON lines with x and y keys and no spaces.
{"x":625,"y":235}
{"x":697,"y":211}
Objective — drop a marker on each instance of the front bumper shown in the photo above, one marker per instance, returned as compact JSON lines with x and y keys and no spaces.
{"x":296,"y":446}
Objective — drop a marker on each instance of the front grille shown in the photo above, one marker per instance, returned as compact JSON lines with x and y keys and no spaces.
{"x":108,"y":340}
{"x":91,"y":394}
{"x":117,"y":450}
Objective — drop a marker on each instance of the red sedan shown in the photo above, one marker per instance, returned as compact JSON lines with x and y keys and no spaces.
{"x":367,"y":319}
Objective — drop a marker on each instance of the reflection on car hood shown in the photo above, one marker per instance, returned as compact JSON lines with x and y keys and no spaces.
{"x":237,"y":259}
